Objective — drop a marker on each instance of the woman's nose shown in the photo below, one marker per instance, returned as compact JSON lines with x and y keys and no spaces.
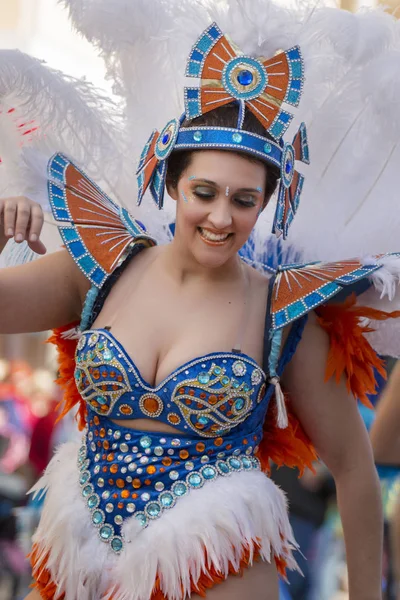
{"x":221,"y":216}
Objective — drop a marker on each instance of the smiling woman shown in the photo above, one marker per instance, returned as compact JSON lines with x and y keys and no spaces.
{"x":176,"y":362}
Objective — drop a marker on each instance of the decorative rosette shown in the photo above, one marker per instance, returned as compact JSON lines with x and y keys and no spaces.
{"x":256,"y":83}
{"x":152,"y":167}
{"x":291,"y":183}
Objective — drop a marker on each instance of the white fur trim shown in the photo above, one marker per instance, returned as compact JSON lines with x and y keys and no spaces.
{"x":223,"y":518}
{"x":387,"y":278}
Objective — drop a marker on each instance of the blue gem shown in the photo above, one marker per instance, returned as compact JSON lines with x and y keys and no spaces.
{"x":92,"y":501}
{"x":245,"y":77}
{"x":288,"y":167}
{"x":77,"y":373}
{"x":84,"y":478}
{"x":203,"y":420}
{"x":101,"y":400}
{"x":237,"y":138}
{"x":87,"y":491}
{"x":117,"y":545}
{"x":225,"y":381}
{"x":195,"y":480}
{"x":209,"y":473}
{"x":153,"y":509}
{"x":165,"y":139}
{"x":97,"y":517}
{"x":268,"y":148}
{"x":239,"y":404}
{"x":145,"y":441}
{"x":234,"y":463}
{"x":107,"y":354}
{"x":197,"y":136}
{"x":179,"y":489}
{"x":203,"y":378}
{"x":106,"y":532}
{"x":217,"y":370}
{"x":246,"y":387}
{"x":223,"y":467}
{"x":166,"y":500}
{"x":141,"y":518}
{"x":246,"y":462}
{"x":236,"y":384}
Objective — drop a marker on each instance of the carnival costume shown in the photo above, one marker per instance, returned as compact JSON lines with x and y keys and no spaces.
{"x":133,"y":515}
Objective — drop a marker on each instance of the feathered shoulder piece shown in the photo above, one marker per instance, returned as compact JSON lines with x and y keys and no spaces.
{"x":98,"y":233}
{"x":299,"y":288}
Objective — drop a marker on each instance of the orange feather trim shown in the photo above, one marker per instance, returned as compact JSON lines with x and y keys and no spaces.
{"x":48,"y":589}
{"x":66,"y":361}
{"x":350,"y":353}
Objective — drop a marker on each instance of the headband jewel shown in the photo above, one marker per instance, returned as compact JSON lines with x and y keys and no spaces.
{"x":256,"y":84}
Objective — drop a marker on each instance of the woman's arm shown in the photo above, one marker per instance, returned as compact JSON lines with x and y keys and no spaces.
{"x":45,"y":293}
{"x":331,"y":419}
{"x":385,"y":431}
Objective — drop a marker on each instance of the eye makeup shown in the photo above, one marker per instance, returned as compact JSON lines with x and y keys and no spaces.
{"x":184,"y":197}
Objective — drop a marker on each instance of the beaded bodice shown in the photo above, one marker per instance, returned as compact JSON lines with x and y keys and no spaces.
{"x":210,"y":395}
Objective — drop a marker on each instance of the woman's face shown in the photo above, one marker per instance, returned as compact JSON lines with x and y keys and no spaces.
{"x":219,"y":197}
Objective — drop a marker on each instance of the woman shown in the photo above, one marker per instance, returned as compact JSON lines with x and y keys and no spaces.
{"x":182,"y":327}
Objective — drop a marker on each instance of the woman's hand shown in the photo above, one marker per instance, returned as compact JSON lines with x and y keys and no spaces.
{"x":21,"y":219}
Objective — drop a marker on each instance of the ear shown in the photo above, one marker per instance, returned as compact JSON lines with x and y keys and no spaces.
{"x":172,"y":190}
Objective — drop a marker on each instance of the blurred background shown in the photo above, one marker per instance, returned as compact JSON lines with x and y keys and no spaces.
{"x":28,"y":396}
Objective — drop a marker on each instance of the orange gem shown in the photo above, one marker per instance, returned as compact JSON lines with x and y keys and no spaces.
{"x":147,"y":482}
{"x":255,"y":438}
{"x":120,"y":483}
{"x":134,"y":496}
{"x":96,"y":420}
{"x":125,"y":494}
{"x":96,"y":432}
{"x":182,"y":391}
{"x":106,"y":445}
{"x":96,"y":374}
{"x":104,"y":374}
{"x":184,"y":454}
{"x":98,"y":444}
{"x":136,"y":484}
{"x":111,"y":481}
{"x":102,"y":432}
{"x":162,"y":470}
{"x":213,"y":399}
{"x":126,"y":410}
{"x":105,"y":470}
{"x":218,"y":441}
{"x":174,"y":419}
{"x":112,"y":374}
{"x":199,"y":426}
{"x":245,"y":441}
{"x":188,"y":402}
{"x":191,"y":392}
{"x":94,"y":404}
{"x":115,"y":387}
{"x":151,"y":405}
{"x":120,"y":378}
{"x":229,"y":413}
{"x":120,"y":505}
{"x":114,"y":469}
{"x":199,"y":406}
{"x":104,"y":408}
{"x":167,"y":462}
{"x":115,"y":496}
{"x":229,"y":447}
{"x":200,"y":447}
{"x":221,"y":397}
{"x":151,"y":470}
{"x":110,"y":457}
{"x":203,"y":395}
{"x":223,"y":407}
{"x":214,"y":427}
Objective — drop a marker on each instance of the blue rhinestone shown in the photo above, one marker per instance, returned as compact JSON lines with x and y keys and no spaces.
{"x":106,"y":532}
{"x":101,"y":400}
{"x":197,"y":136}
{"x":239,"y":404}
{"x":165,"y":139}
{"x":234,"y":463}
{"x":246,"y":387}
{"x":236,"y":384}
{"x":100,"y":345}
{"x":217,"y":370}
{"x":107,"y":354}
{"x":289,"y":167}
{"x":203,"y":378}
{"x":167,"y":499}
{"x":179,"y":489}
{"x":78,"y":373}
{"x":203,"y":420}
{"x":245,"y":77}
{"x":117,"y":545}
{"x":92,"y":501}
{"x":141,"y":518}
{"x":223,"y":467}
{"x":209,"y":473}
{"x":145,"y":441}
{"x":237,"y":138}
{"x":84,"y":478}
{"x":246,"y":462}
{"x":195,"y":480}
{"x":97,"y":517}
{"x":268,"y":148}
{"x":225,"y":381}
{"x":153,"y":509}
{"x":87,"y":491}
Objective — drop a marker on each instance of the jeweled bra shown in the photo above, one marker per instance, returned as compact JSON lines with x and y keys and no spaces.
{"x":217,"y":403}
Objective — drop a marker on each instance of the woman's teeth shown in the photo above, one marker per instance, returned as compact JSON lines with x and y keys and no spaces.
{"x":213,"y":237}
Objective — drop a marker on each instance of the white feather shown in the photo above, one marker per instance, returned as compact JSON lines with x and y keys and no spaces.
{"x":224,"y":517}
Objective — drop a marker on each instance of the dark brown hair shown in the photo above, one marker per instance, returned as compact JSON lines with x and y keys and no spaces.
{"x":225,"y":116}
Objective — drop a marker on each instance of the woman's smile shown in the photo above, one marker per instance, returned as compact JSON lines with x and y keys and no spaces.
{"x":213,"y":238}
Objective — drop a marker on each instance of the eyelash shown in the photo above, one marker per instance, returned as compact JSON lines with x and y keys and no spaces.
{"x":207,"y":196}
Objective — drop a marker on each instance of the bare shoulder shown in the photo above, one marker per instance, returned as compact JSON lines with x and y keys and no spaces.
{"x":259,"y":281}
